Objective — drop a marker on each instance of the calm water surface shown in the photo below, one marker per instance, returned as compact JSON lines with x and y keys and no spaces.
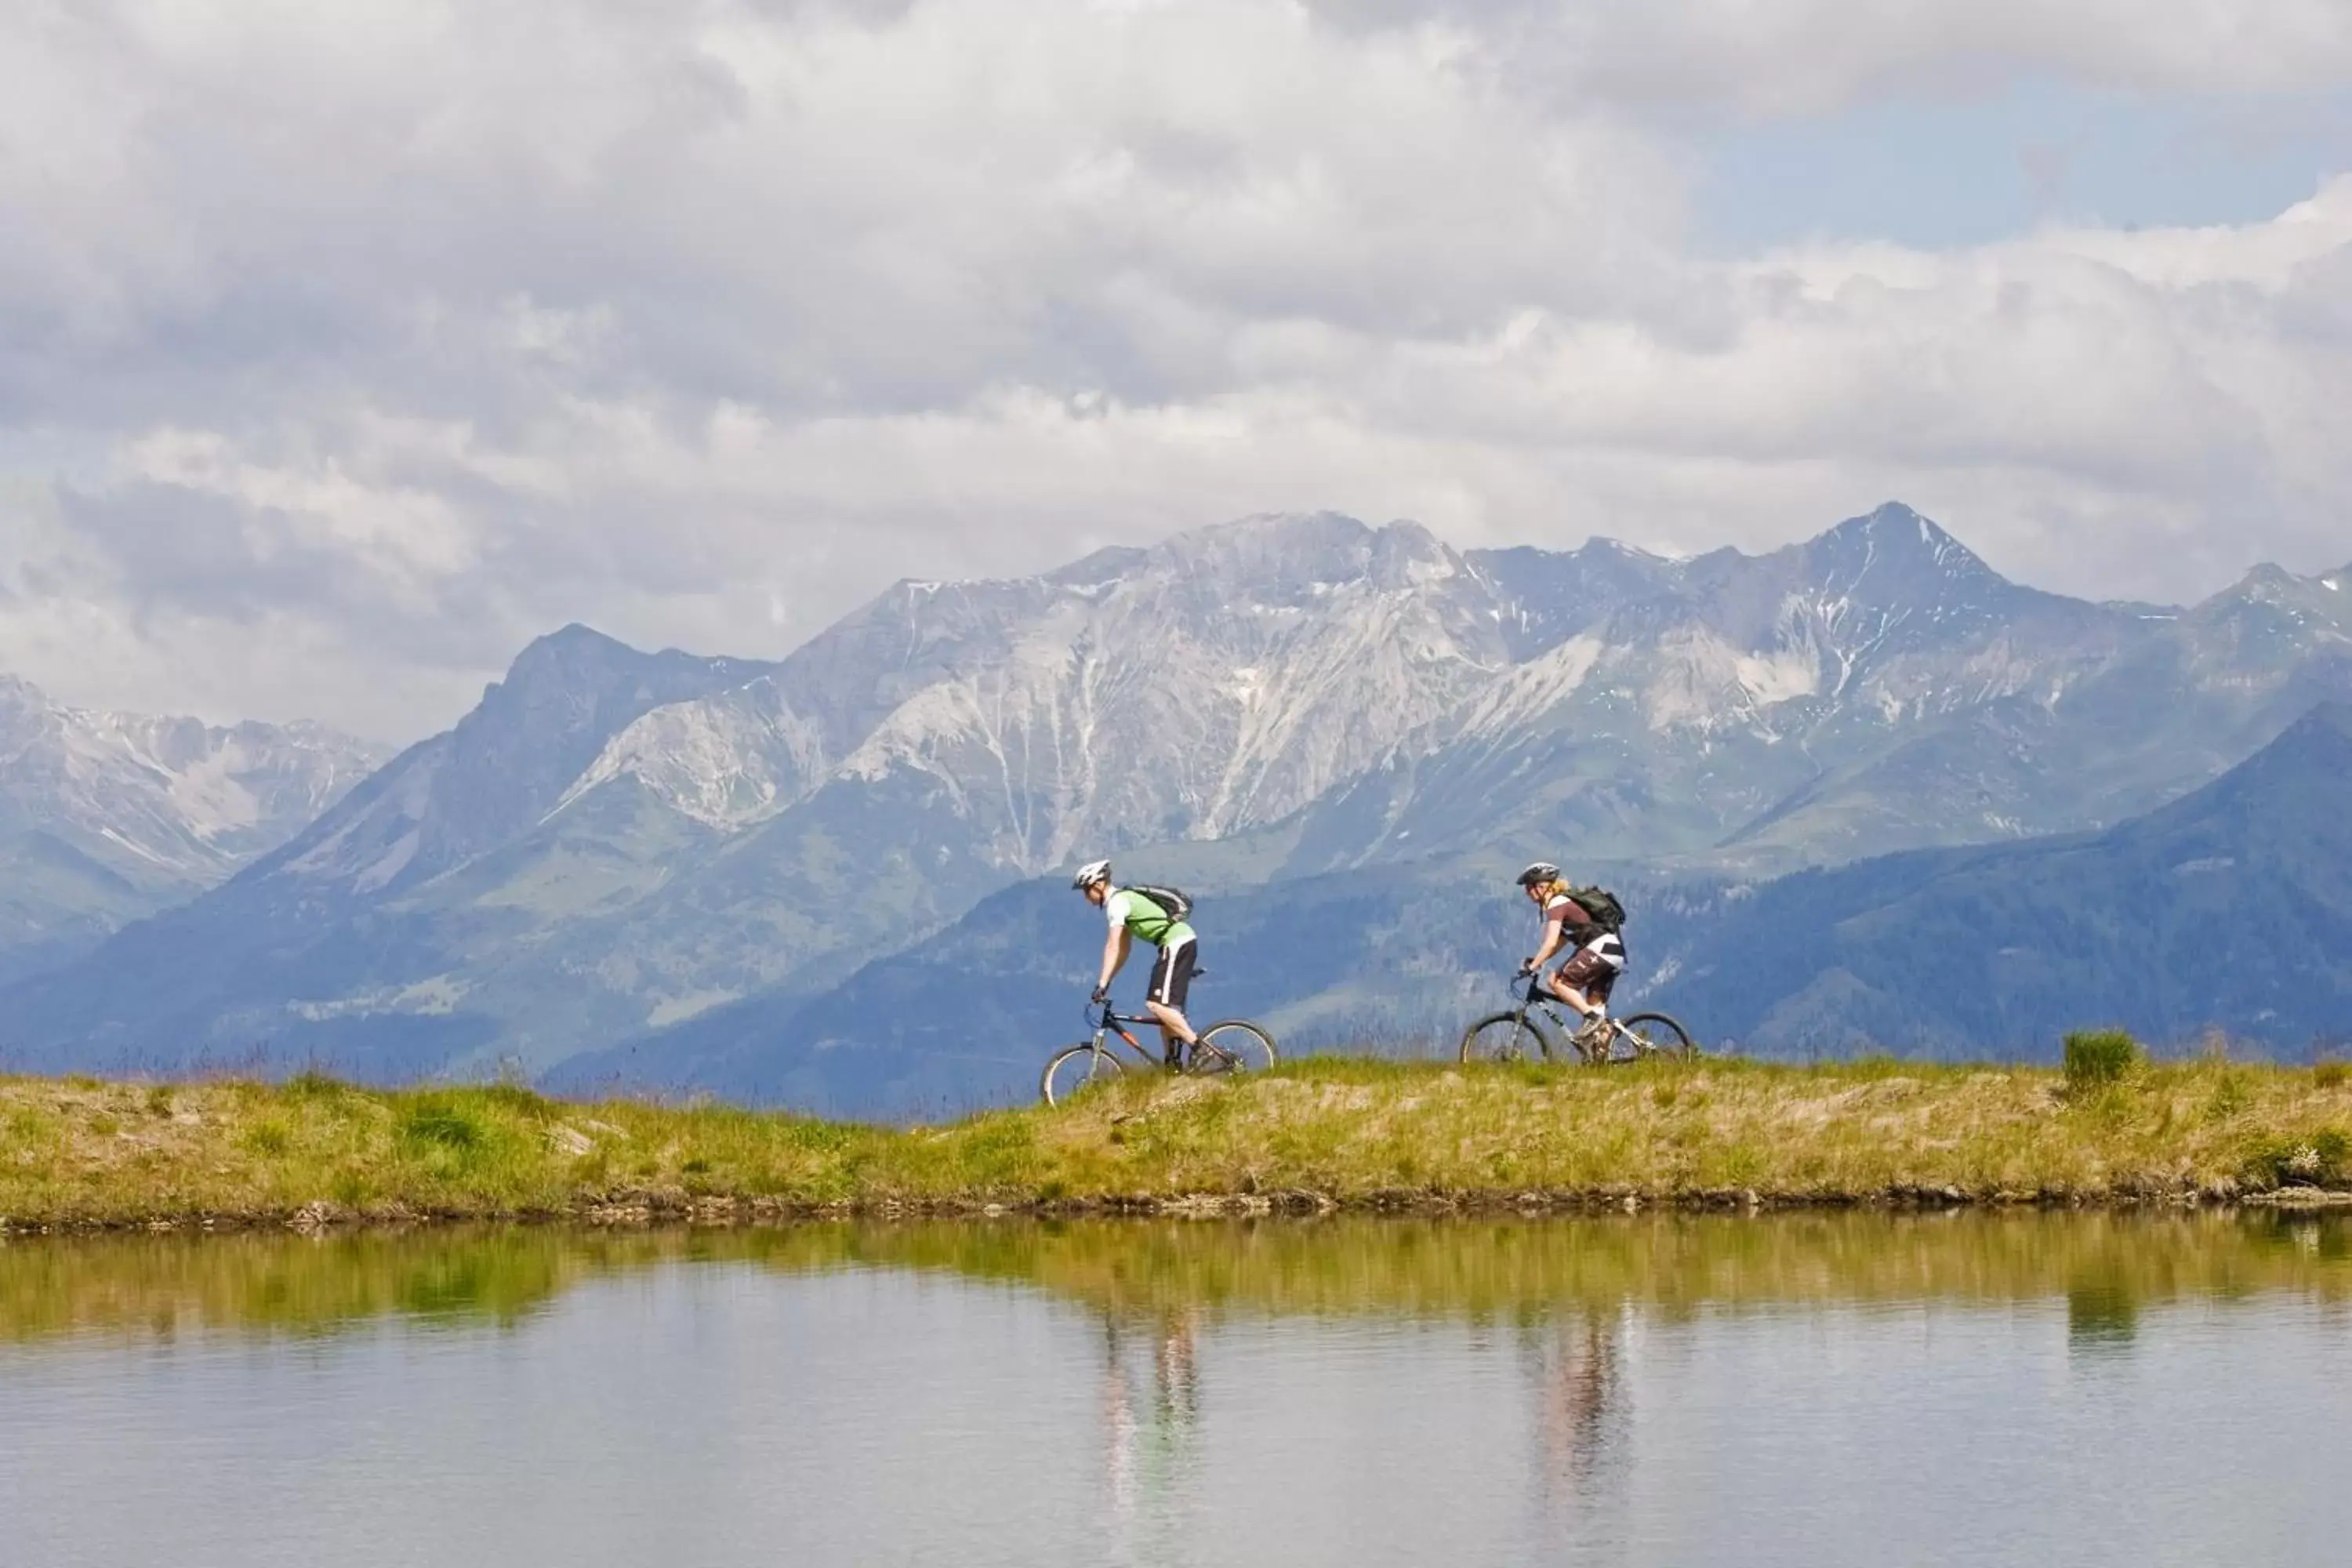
{"x":1814,"y":1391}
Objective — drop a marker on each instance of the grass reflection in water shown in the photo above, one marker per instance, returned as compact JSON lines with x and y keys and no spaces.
{"x":2106,"y":1268}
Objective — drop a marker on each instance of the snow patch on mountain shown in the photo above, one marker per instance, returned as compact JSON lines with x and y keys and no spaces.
{"x":1526,"y":692}
{"x":375,"y":839}
{"x":726,"y":762}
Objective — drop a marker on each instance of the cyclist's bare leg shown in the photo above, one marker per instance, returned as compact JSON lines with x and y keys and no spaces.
{"x":1586,"y":1008}
{"x":1589,"y":1010}
{"x":1174,"y":1032}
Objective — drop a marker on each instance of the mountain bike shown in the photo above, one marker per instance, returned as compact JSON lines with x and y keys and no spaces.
{"x":1520,"y":1034}
{"x":1233,"y":1045}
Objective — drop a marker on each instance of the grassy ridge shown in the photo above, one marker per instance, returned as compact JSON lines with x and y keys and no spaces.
{"x":1330,"y":1130}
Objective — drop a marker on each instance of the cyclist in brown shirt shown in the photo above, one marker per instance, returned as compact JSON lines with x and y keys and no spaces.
{"x":1596,"y":952}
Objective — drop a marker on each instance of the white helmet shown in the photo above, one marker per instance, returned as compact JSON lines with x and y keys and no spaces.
{"x":1093,"y":874}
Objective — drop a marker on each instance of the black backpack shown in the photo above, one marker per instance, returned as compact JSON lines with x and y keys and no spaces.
{"x":1602,"y":906}
{"x":1178,"y":906}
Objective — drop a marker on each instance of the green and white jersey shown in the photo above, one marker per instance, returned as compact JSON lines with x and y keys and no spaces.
{"x":1147,"y":921}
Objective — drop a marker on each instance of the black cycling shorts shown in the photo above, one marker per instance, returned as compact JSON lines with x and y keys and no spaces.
{"x":1171,"y":976}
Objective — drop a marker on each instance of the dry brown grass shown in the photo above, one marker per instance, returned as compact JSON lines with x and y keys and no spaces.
{"x":1330,"y":1130}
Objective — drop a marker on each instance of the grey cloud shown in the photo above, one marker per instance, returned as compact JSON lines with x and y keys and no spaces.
{"x":1787,"y":55}
{"x":180,"y":554}
{"x":700,"y":324}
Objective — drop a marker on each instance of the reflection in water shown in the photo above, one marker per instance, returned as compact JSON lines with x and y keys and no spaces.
{"x":1577,"y":1369}
{"x":1812,"y":1389}
{"x":2101,"y":1314}
{"x":1149,"y":1440}
{"x":2108,"y":1267}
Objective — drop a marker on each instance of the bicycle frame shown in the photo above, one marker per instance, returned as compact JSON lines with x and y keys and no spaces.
{"x":1540,"y":995}
{"x":1108,"y":1023}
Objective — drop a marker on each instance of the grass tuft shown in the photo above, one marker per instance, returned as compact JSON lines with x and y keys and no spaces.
{"x":439,"y":1124}
{"x":2094,"y":1057}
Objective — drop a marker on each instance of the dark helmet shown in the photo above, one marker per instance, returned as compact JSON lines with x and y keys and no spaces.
{"x":1539,"y":874}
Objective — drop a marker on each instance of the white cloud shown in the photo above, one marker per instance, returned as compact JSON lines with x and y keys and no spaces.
{"x":346,"y":347}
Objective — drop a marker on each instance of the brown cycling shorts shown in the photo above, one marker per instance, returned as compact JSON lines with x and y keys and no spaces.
{"x":1594,"y":968}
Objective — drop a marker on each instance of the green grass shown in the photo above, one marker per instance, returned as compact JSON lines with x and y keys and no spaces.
{"x":1330,"y":1130}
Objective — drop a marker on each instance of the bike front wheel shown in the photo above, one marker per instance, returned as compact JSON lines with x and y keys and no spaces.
{"x":1506,"y":1038}
{"x":1647,"y":1035}
{"x":1077,"y":1068}
{"x":1236,"y":1045}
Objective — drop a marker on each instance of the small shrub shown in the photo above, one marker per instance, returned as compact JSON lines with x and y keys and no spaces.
{"x":2331,"y":1074}
{"x":2325,"y":1160}
{"x":104,"y":1126}
{"x":436,"y":1124}
{"x":2097,"y":1056}
{"x":159,"y":1100}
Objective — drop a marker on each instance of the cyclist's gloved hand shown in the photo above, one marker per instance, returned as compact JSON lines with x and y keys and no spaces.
{"x":1527,"y":967}
{"x":1102,"y":994}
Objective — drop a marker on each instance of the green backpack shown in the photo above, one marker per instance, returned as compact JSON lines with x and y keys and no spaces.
{"x":1602,"y":906}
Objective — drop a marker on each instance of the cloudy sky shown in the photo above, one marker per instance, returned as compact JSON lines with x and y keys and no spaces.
{"x":345,"y":346}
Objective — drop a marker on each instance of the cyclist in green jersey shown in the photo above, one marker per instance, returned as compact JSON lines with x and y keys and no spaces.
{"x":1133,"y":915}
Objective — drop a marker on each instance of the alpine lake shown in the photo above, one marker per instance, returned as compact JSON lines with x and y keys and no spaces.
{"x":1816,"y":1389}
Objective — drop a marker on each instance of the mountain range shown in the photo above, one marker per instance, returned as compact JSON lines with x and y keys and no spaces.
{"x":107,"y":818}
{"x":619,"y":857}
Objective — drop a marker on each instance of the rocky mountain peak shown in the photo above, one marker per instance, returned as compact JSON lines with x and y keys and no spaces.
{"x":2270,"y":606}
{"x":504,"y":766}
{"x":1106,"y":566}
{"x":1295,"y":557}
{"x":576,"y":659}
{"x":1894,"y":549}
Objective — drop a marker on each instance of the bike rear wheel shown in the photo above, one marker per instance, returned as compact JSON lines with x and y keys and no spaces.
{"x":1506,"y":1038}
{"x":1077,"y":1068}
{"x":1234,"y":1045}
{"x":1650,"y":1035}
